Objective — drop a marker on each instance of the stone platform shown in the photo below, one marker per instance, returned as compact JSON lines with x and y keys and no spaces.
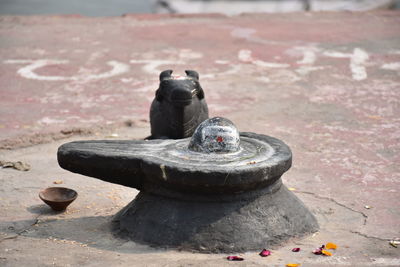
{"x":325,"y":83}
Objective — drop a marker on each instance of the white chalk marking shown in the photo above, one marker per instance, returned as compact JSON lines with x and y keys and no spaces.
{"x":48,"y":120}
{"x":126,"y":80}
{"x":391,"y":66}
{"x":245,"y":55}
{"x":28,"y":71}
{"x":18,"y":61}
{"x":221,"y":62}
{"x":337,"y":54}
{"x":265,"y":64}
{"x":309,"y":56}
{"x":357,"y":62}
{"x":304,"y":70}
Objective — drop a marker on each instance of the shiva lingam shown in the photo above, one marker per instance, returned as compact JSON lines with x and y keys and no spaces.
{"x":218,"y":191}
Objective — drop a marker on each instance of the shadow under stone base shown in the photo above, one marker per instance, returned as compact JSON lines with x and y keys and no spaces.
{"x":214,"y":224}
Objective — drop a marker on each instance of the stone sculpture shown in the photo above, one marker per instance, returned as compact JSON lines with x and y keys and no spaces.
{"x":219,"y":191}
{"x":179,"y":106}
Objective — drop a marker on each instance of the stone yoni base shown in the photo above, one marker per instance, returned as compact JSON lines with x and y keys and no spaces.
{"x":216,"y":225}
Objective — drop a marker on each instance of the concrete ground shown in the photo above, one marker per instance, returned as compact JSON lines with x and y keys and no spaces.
{"x":325,"y":83}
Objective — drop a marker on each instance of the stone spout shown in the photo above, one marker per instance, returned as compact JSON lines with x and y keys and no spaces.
{"x":105,"y":160}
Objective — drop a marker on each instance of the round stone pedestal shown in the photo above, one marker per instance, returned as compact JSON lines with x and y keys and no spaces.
{"x":214,"y":223}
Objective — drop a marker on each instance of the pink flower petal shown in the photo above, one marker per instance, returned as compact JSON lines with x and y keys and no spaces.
{"x":296,"y":249}
{"x":234,"y":258}
{"x":317,"y":251}
{"x":265,"y":253}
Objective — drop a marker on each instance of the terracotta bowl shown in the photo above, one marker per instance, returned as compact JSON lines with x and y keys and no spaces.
{"x":58,"y":198}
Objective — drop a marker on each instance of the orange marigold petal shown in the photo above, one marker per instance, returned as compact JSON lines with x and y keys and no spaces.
{"x":326,"y":253}
{"x":331,"y":246}
{"x":292,"y":264}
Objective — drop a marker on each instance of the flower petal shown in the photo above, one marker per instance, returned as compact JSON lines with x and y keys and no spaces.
{"x":331,"y":246}
{"x":317,"y":251}
{"x":292,"y":264}
{"x":326,"y":253}
{"x":234,"y":258}
{"x":296,"y":249}
{"x":265,"y":253}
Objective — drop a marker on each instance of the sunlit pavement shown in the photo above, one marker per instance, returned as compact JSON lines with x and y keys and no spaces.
{"x":325,"y":83}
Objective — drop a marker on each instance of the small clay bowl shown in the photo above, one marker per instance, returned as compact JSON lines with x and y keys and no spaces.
{"x":58,"y":198}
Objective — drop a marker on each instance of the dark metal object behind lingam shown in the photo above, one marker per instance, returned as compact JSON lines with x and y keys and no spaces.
{"x":218,"y":191}
{"x":179,"y":106}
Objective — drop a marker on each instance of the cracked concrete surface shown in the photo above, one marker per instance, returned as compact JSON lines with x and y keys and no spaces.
{"x":337,"y":203}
